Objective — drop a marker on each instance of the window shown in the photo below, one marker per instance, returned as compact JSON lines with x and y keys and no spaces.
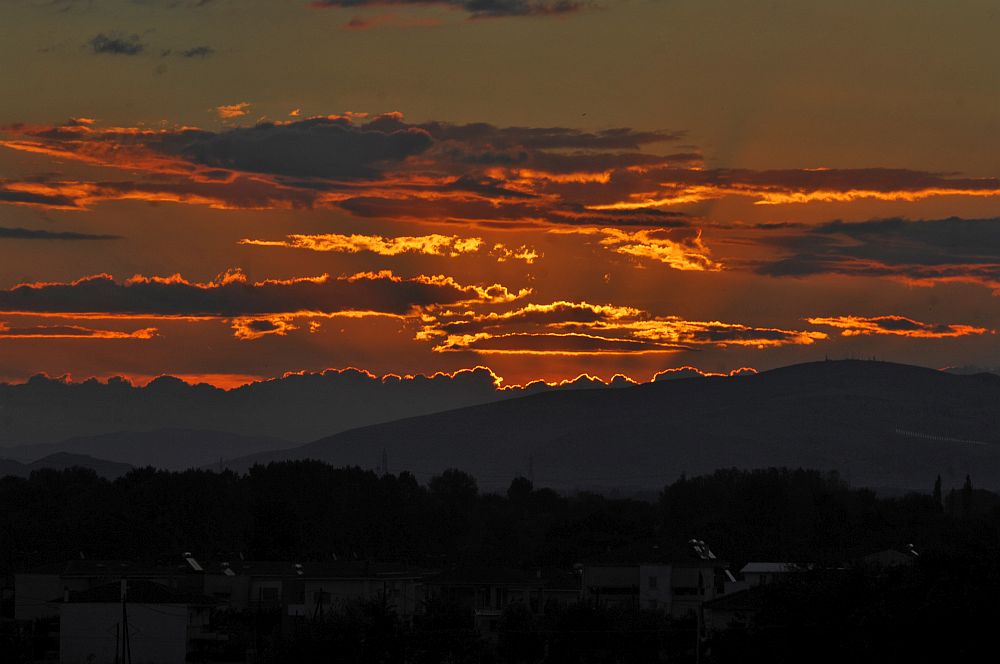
{"x":653,"y":581}
{"x":269,"y":594}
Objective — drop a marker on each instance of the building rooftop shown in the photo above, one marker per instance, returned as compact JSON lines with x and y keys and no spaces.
{"x":691,"y":553}
{"x":550,"y":578}
{"x":139,"y":591}
{"x":768,"y":568}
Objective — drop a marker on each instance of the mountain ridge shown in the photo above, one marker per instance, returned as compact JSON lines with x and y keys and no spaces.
{"x":835,"y":415}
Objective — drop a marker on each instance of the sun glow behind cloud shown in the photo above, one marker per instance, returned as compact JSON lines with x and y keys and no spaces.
{"x":543,"y":206}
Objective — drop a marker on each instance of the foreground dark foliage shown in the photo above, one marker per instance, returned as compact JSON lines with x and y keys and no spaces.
{"x":312,"y":511}
{"x":938,"y":609}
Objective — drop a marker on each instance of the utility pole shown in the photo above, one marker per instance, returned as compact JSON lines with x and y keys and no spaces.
{"x":126,"y":655}
{"x":385,"y":462}
{"x":697,"y":635}
{"x":531,"y":468}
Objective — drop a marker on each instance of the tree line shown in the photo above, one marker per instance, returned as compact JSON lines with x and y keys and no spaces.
{"x":309,"y":510}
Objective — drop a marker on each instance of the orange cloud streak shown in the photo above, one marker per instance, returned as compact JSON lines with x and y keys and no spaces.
{"x":233,"y":111}
{"x":71,"y":332}
{"x":896,"y":326}
{"x":629,"y":328}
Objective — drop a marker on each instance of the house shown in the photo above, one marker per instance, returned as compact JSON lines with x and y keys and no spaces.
{"x":758,"y":574}
{"x":287,"y":592}
{"x":906,"y":555}
{"x":486,"y":593}
{"x":36,"y":592}
{"x":311,"y":589}
{"x":671,"y":578}
{"x":154,"y":624}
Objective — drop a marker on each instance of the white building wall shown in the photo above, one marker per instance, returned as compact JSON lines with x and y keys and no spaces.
{"x":654,"y":587}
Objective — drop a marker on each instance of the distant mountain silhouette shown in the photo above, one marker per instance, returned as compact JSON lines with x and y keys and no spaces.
{"x":297,"y":407}
{"x":170,"y":449}
{"x":879,"y":424}
{"x":62,"y":461}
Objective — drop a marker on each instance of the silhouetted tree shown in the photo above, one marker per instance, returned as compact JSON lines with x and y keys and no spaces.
{"x":520,"y":489}
{"x":967,"y":496}
{"x":454,"y":487}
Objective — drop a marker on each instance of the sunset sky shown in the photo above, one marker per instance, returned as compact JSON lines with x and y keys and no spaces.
{"x":227,"y":190}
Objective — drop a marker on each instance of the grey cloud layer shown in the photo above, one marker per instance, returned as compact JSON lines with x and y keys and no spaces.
{"x":116,"y":44}
{"x":950,"y":249}
{"x":30,"y":234}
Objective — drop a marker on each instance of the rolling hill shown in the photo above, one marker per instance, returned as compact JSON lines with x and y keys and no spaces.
{"x":63,"y":461}
{"x":879,"y":424}
{"x":170,"y":449}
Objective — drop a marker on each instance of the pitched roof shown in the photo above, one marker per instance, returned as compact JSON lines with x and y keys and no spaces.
{"x":656,"y":552}
{"x":553,"y":579}
{"x":139,"y":591}
{"x":768,"y":568}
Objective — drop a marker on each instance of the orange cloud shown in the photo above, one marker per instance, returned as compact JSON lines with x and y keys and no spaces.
{"x":551,"y":343}
{"x":566,"y":327}
{"x":695,"y":372}
{"x":432,"y":245}
{"x":233,"y":111}
{"x":429,"y":245}
{"x":248,"y":329}
{"x":896,"y":326}
{"x":70,"y":332}
{"x":253,"y":309}
{"x":686,"y":252}
{"x":522,"y":253}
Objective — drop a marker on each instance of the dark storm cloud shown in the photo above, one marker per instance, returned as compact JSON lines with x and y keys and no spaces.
{"x":29,"y":234}
{"x":475,"y":8}
{"x":116,"y":44}
{"x":198,"y":52}
{"x":532,"y":138}
{"x":953,"y":249}
{"x":382,"y":167}
{"x":321,"y":147}
{"x":31,"y":198}
{"x":484,"y":211}
{"x":475,"y":173}
{"x":263,"y":325}
{"x":233,"y":295}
